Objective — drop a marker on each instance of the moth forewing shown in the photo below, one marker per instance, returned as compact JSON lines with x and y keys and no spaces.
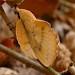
{"x":23,"y":40}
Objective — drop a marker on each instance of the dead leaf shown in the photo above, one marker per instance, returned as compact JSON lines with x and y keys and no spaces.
{"x":7,"y":71}
{"x":40,"y":7}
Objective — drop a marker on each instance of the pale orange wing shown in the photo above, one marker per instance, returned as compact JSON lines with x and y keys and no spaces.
{"x":23,"y":40}
{"x":42,"y":38}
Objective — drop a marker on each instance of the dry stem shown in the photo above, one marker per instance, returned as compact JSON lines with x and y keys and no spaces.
{"x":4,"y":16}
{"x":28,"y":61}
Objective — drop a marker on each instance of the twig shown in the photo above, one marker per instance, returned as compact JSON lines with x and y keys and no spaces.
{"x":9,"y":24}
{"x":28,"y":61}
{"x":4,"y":16}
